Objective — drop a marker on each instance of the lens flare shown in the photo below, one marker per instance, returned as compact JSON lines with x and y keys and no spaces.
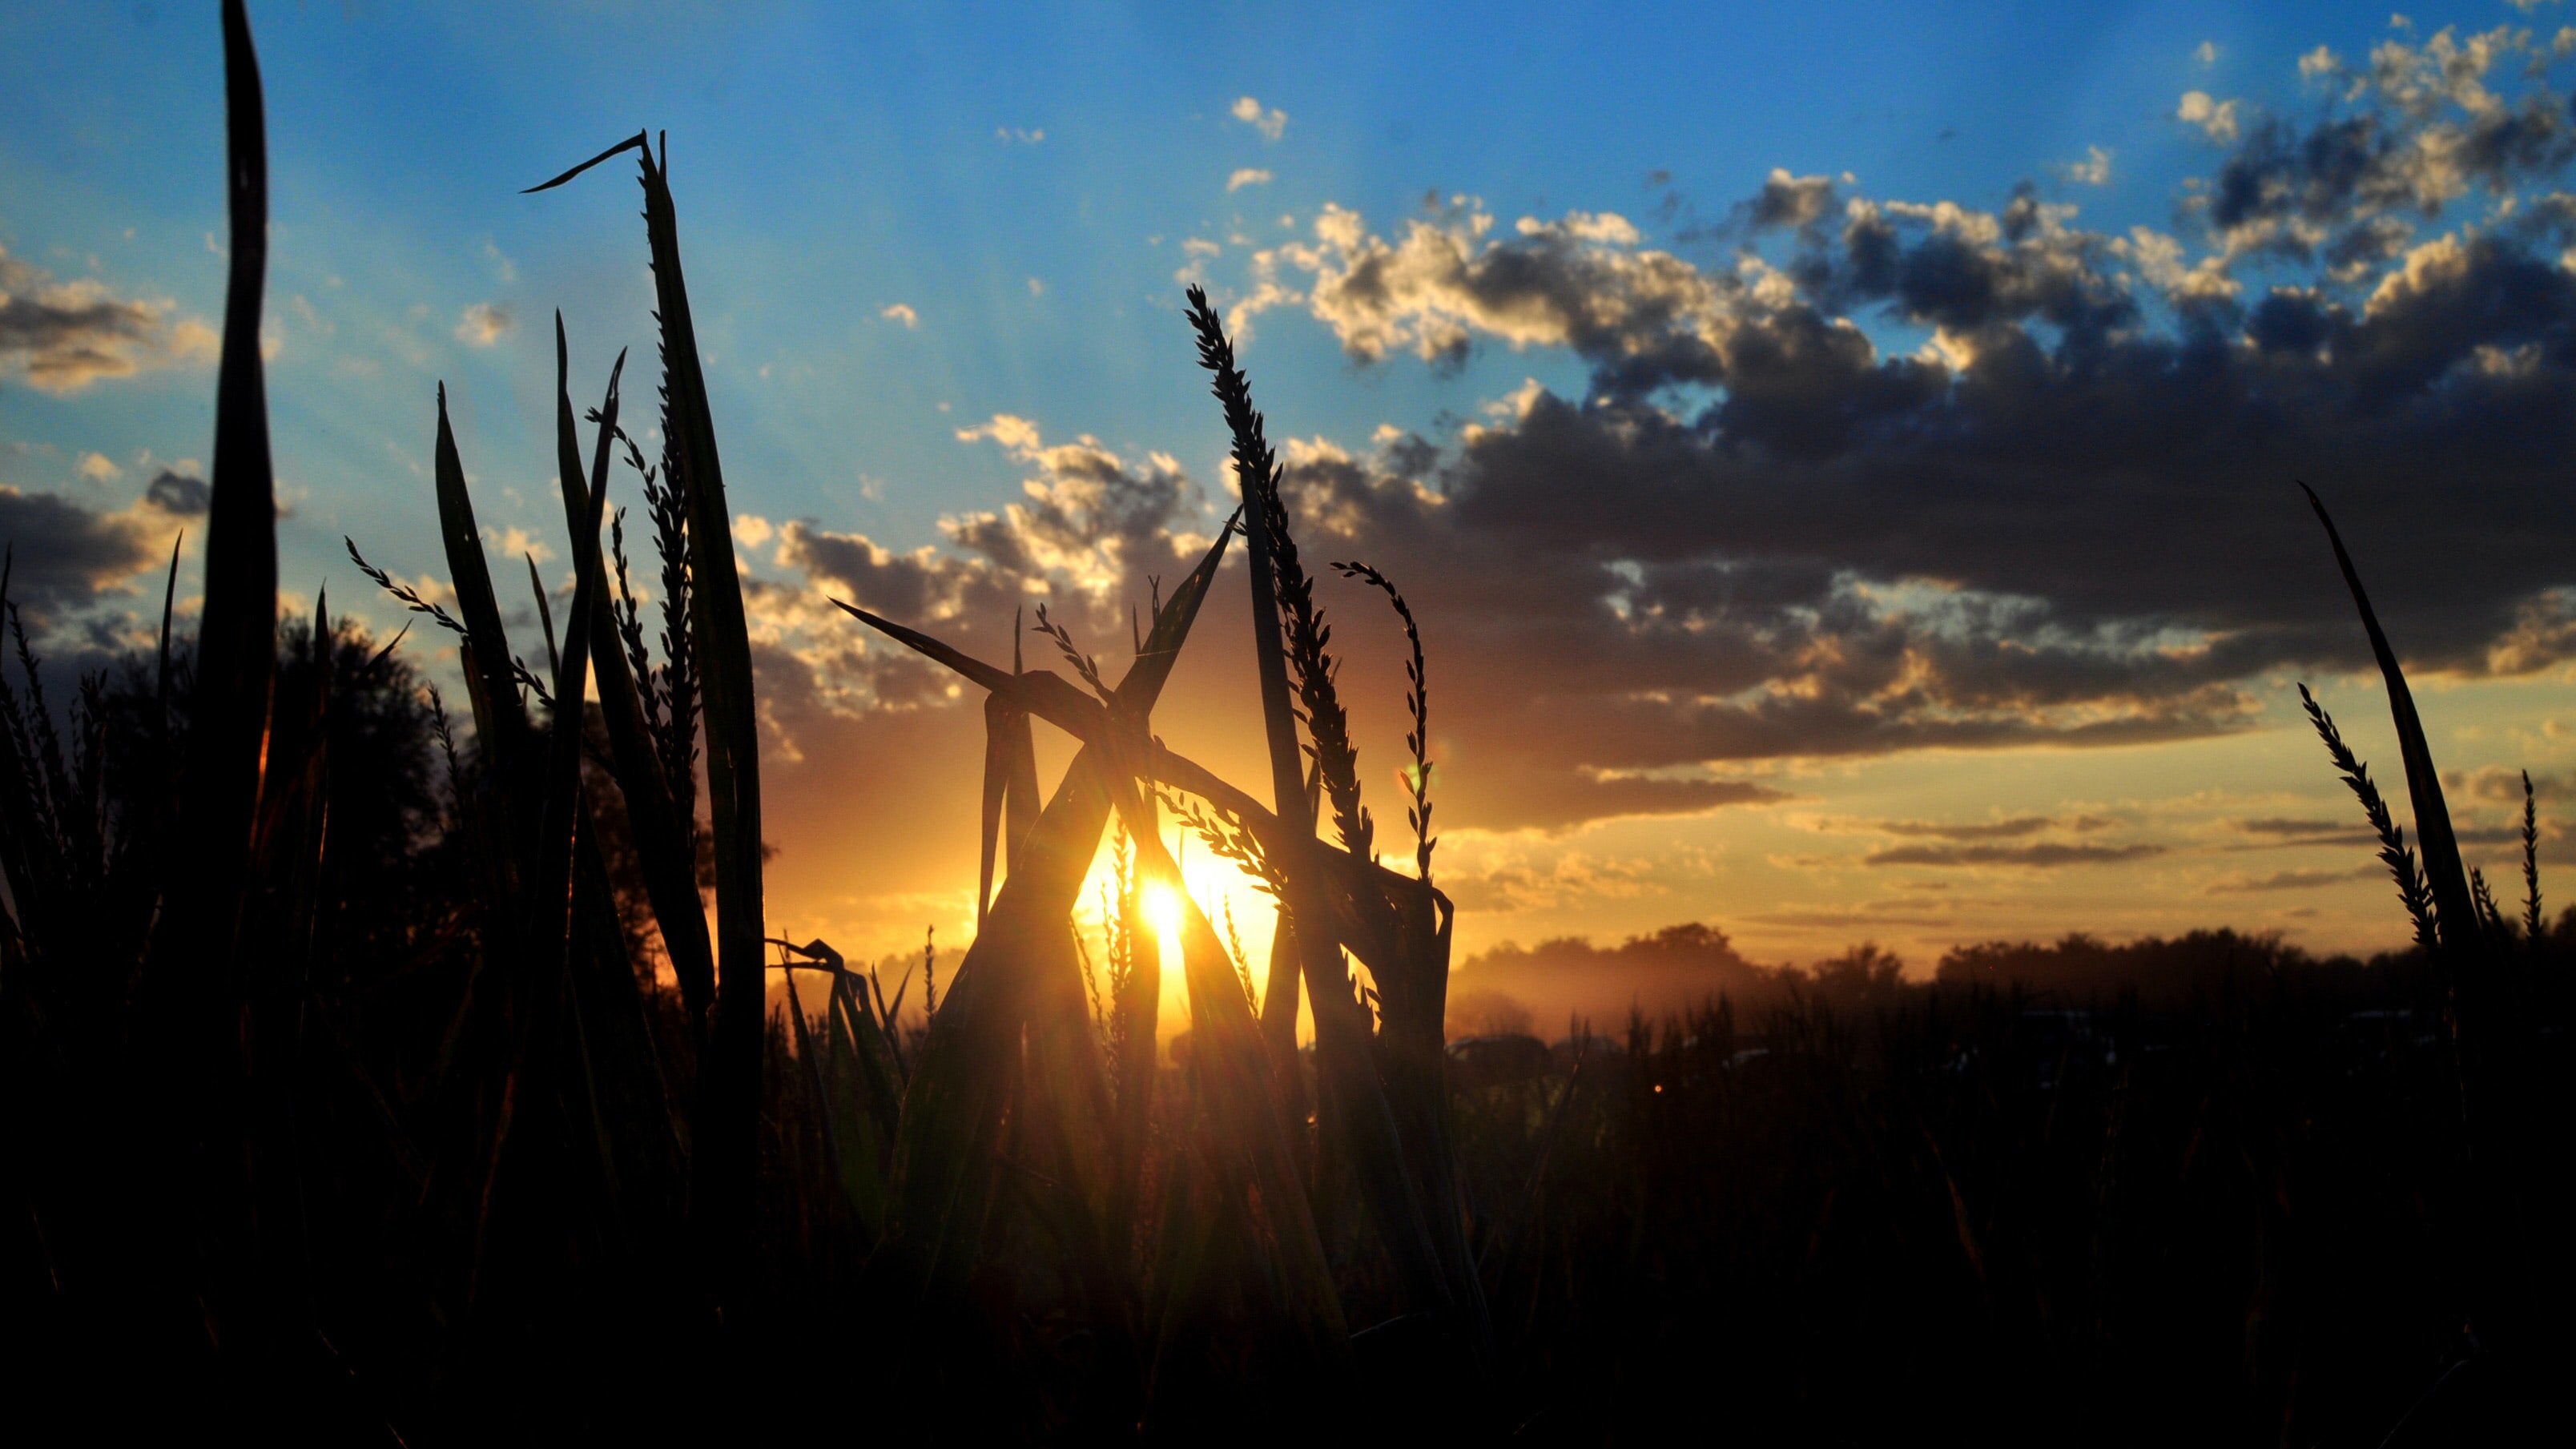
{"x":1162,"y":907}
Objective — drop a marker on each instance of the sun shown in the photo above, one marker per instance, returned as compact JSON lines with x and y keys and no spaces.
{"x":1162,"y":907}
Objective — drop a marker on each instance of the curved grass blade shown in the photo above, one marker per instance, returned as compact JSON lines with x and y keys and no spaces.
{"x":491,"y":688}
{"x":2488,"y":1033}
{"x":2455,"y":911}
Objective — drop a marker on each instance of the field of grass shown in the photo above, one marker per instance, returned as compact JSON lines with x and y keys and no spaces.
{"x":372,"y":1074}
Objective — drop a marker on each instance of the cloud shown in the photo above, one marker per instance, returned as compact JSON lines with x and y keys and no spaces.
{"x":2044,"y":855}
{"x":1559,"y":800}
{"x":1247,"y":176}
{"x":1968,"y":829}
{"x":2497,"y":783}
{"x":1792,"y":201}
{"x":514,"y":542}
{"x":1089,"y":523}
{"x":900,"y":312}
{"x":2422,"y":127}
{"x":2206,"y":52}
{"x":2292,"y":880}
{"x":1887,"y":474}
{"x":1025,"y":136}
{"x":483,"y":324}
{"x":180,"y":495}
{"x":2215,"y":118}
{"x":2093,"y":170}
{"x":98,"y":469}
{"x":63,"y":336}
{"x":1272,"y":124}
{"x":66,"y":555}
{"x":1513,"y":883}
{"x":2276,"y":834}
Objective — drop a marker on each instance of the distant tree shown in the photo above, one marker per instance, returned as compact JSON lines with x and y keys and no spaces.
{"x":1865,"y":972}
{"x":2157,"y":968}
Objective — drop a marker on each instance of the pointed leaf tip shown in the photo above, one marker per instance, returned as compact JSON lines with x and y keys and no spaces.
{"x":634,"y":142}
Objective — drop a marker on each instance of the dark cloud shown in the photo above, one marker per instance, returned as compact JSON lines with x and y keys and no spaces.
{"x":1790,"y":202}
{"x":2292,"y":880}
{"x":2042,"y":855}
{"x":2417,"y":129}
{"x":2103,"y":443}
{"x":2500,"y":784}
{"x":62,"y":336}
{"x":1967,"y":830}
{"x":64,"y":554}
{"x":1554,"y":799}
{"x":178,"y":494}
{"x":2285,"y":829}
{"x":2276,"y":833}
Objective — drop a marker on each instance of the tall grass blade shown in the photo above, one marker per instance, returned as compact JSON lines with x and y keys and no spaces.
{"x":730,"y":1075}
{"x":193,"y":988}
{"x":237,"y":629}
{"x":2487,"y":1032}
{"x":722,"y":643}
{"x":161,"y":667}
{"x":662,"y":844}
{"x":2531,"y":918}
{"x":545,"y":616}
{"x":550,"y":924}
{"x":491,"y":688}
{"x":2455,"y":912}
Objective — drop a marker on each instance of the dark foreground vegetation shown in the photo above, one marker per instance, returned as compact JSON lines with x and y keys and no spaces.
{"x":372,"y":1076}
{"x":2053,"y":1201}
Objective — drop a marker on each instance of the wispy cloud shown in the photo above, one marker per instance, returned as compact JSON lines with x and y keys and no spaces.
{"x":483,"y":324}
{"x":2290,"y":880}
{"x":2042,"y":855}
{"x":1247,"y":176}
{"x":2093,"y":170}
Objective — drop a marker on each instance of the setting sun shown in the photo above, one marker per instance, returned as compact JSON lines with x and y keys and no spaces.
{"x":1163,"y":911}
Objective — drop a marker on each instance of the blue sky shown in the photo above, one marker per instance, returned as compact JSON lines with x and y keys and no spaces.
{"x":833,"y":165}
{"x":906,"y":223}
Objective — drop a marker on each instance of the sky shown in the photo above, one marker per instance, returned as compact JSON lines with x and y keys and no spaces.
{"x":1842,"y":457}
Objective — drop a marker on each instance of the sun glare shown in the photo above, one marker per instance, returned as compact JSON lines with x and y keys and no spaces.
{"x":1162,"y":906}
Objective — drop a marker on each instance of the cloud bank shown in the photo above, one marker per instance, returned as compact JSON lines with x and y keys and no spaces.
{"x":1882,"y":475}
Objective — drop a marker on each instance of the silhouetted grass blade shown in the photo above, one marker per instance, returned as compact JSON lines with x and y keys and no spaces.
{"x":661,"y":839}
